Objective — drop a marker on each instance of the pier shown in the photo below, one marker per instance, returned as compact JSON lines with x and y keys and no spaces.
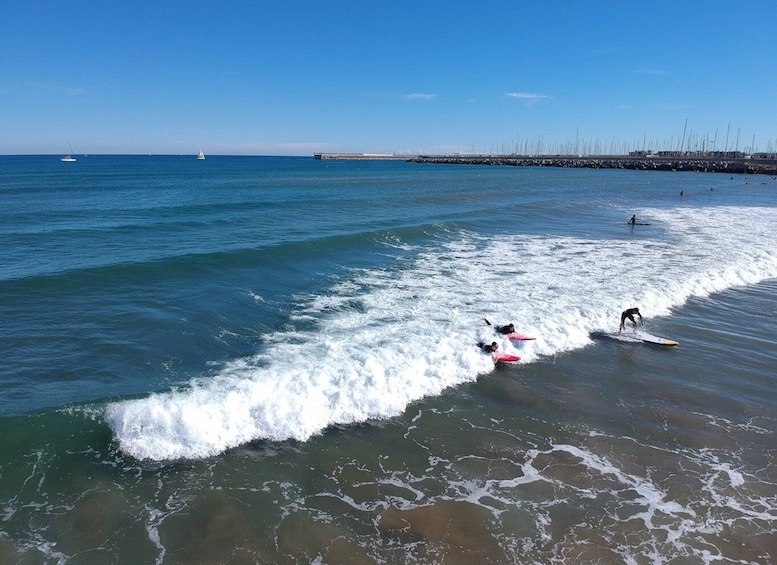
{"x":760,"y":164}
{"x":708,"y":162}
{"x":362,"y":156}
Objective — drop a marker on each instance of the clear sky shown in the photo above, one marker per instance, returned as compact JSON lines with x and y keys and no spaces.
{"x":295,"y":77}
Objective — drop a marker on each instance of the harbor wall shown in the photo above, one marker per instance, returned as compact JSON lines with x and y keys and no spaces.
{"x":652,"y":163}
{"x":362,"y":156}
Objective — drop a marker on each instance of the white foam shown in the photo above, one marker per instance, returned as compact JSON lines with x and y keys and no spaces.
{"x":383,"y":339}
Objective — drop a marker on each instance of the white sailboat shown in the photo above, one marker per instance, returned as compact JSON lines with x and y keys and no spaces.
{"x":69,"y":157}
{"x":201,"y":155}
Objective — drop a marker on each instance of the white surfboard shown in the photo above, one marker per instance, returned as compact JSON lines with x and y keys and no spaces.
{"x":640,"y":336}
{"x":650,"y":338}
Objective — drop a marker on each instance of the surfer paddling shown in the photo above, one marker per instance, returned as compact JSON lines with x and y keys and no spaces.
{"x":504,"y":330}
{"x":496,"y":355}
{"x":629,"y":315}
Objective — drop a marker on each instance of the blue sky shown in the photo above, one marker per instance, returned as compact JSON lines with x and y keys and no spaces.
{"x":293,"y":78}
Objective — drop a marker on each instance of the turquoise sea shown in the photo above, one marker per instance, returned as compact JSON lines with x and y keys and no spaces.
{"x":272,"y":360}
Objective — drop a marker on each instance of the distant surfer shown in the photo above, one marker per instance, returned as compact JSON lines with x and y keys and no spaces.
{"x":633,"y":220}
{"x":504,"y":330}
{"x":629,"y":315}
{"x":488,"y":348}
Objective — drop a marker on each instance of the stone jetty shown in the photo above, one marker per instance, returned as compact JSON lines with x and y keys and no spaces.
{"x":739,"y":165}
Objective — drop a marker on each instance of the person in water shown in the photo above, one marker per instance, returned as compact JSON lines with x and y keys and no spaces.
{"x":629,"y":315}
{"x":488,"y":348}
{"x":504,"y":330}
{"x":633,"y":220}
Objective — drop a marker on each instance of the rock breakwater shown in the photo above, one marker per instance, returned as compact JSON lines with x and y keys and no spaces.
{"x":700,"y":164}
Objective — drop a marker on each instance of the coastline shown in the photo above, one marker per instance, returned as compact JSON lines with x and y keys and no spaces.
{"x":740,"y":165}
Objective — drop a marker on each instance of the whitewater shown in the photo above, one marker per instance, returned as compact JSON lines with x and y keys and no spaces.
{"x":381,"y":339}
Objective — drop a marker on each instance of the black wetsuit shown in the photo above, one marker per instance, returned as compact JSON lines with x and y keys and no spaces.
{"x":505,"y":329}
{"x":629,"y":315}
{"x":487,"y":347}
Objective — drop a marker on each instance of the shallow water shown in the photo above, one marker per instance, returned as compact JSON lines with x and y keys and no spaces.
{"x":272,"y":360}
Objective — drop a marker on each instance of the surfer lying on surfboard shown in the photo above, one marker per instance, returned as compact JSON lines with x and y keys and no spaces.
{"x":629,"y":315}
{"x":508,"y":329}
{"x":496,"y":355}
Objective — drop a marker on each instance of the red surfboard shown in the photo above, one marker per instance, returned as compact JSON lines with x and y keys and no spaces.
{"x":500,"y":357}
{"x":519,"y":337}
{"x":511,"y":336}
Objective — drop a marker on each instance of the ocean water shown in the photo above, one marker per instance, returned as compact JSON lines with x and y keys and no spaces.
{"x":273,"y":360}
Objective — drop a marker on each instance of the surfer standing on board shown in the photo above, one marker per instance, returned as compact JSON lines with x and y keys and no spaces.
{"x":633,"y":220}
{"x":629,"y":315}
